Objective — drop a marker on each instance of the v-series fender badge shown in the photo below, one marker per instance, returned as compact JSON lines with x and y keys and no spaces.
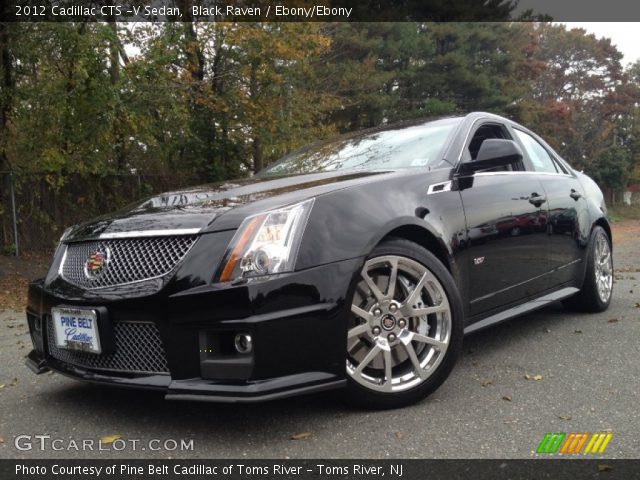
{"x":478,"y":261}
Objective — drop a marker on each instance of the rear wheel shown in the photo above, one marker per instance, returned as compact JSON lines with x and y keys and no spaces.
{"x":405,"y":331}
{"x":596,"y":292}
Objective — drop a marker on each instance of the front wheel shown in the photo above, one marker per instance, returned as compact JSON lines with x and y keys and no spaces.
{"x":596,"y":292}
{"x":405,"y":331}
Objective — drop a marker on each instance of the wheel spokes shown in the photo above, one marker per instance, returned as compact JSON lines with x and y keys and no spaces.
{"x":429,"y":341}
{"x":357,"y":330}
{"x":393,"y":278}
{"x":368,"y":359}
{"x":415,"y":293}
{"x":388,"y":366}
{"x":363,"y":314}
{"x":375,"y":290}
{"x":411,"y":352}
{"x":410,"y":311}
{"x":357,"y":347}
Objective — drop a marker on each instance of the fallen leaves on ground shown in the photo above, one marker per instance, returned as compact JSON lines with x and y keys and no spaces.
{"x":536,"y":377}
{"x":626,"y":269}
{"x":612,"y":320}
{"x":1,"y":440}
{"x":14,"y":382}
{"x":487,"y":382}
{"x":577,"y":331}
{"x":109,"y":439}
{"x":300,"y":436}
{"x":603,"y":467}
{"x":507,"y":398}
{"x":564,"y":417}
{"x":13,"y":291}
{"x":399,"y":435}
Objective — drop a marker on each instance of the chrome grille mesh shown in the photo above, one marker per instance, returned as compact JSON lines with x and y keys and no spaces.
{"x":128,"y":260}
{"x":138,"y":349}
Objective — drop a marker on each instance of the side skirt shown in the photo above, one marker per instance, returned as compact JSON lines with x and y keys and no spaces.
{"x":521,"y":309}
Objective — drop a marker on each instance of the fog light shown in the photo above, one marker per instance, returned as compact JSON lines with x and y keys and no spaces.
{"x":243,"y":343}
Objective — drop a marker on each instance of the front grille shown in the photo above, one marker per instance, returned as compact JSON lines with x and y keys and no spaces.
{"x":123,"y":261}
{"x":138,"y":350}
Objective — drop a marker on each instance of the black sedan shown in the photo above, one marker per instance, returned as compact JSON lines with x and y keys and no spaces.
{"x":358,"y":262}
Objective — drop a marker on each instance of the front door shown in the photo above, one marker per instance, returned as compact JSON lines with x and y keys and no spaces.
{"x":508,"y":251}
{"x":506,"y":214}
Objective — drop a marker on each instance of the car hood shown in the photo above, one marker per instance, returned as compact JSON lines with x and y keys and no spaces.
{"x":207,"y":207}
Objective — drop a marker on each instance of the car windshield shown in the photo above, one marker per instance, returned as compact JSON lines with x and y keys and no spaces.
{"x":405,"y":147}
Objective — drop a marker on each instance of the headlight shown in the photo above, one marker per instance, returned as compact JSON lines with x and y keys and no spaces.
{"x":266,"y":243}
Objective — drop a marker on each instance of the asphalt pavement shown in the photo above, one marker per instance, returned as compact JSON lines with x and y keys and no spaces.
{"x":549,"y":371}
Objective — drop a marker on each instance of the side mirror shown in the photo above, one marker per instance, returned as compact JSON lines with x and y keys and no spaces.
{"x":494,"y":152}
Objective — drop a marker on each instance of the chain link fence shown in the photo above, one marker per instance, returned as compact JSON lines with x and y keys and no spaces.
{"x":35,"y":208}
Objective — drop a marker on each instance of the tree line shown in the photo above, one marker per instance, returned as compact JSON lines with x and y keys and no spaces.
{"x":213,"y":101}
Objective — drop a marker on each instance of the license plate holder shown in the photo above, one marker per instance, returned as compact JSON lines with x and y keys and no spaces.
{"x":77,"y":329}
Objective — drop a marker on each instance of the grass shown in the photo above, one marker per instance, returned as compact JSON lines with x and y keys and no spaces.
{"x":618,"y":213}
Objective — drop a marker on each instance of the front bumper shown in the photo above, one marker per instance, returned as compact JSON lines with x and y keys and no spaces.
{"x":297,"y":322}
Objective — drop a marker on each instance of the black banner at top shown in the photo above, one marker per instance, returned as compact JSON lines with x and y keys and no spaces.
{"x":317,"y":10}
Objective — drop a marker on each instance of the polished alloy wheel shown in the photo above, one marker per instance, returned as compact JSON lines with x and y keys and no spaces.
{"x":401,"y":325}
{"x":603,"y":267}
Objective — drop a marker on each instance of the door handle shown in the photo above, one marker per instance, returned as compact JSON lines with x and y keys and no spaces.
{"x":537,"y":199}
{"x":575,"y":195}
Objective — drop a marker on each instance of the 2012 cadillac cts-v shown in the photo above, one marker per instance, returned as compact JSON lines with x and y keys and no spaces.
{"x":357,"y":263}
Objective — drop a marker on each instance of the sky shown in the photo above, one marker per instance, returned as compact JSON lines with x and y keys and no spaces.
{"x":625,"y":35}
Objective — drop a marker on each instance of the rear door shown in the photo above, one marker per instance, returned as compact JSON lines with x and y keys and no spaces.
{"x":567,"y":207}
{"x":506,"y":214}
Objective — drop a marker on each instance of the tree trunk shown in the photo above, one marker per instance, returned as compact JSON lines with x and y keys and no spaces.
{"x":114,"y":53}
{"x":193,"y":52}
{"x":257,"y":143}
{"x":7,"y":92}
{"x":114,"y":73}
{"x":6,"y":63}
{"x":257,"y":155}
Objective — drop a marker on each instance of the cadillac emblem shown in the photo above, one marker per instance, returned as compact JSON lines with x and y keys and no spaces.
{"x":97,"y":263}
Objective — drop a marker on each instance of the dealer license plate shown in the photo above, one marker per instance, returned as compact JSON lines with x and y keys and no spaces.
{"x":76,"y":329}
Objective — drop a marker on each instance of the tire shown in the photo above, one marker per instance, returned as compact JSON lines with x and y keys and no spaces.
{"x":597,"y":289}
{"x":402,"y":341}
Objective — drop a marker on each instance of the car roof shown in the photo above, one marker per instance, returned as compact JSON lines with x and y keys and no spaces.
{"x":472,"y":116}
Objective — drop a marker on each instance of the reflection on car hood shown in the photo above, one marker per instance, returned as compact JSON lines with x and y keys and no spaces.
{"x":196,"y":208}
